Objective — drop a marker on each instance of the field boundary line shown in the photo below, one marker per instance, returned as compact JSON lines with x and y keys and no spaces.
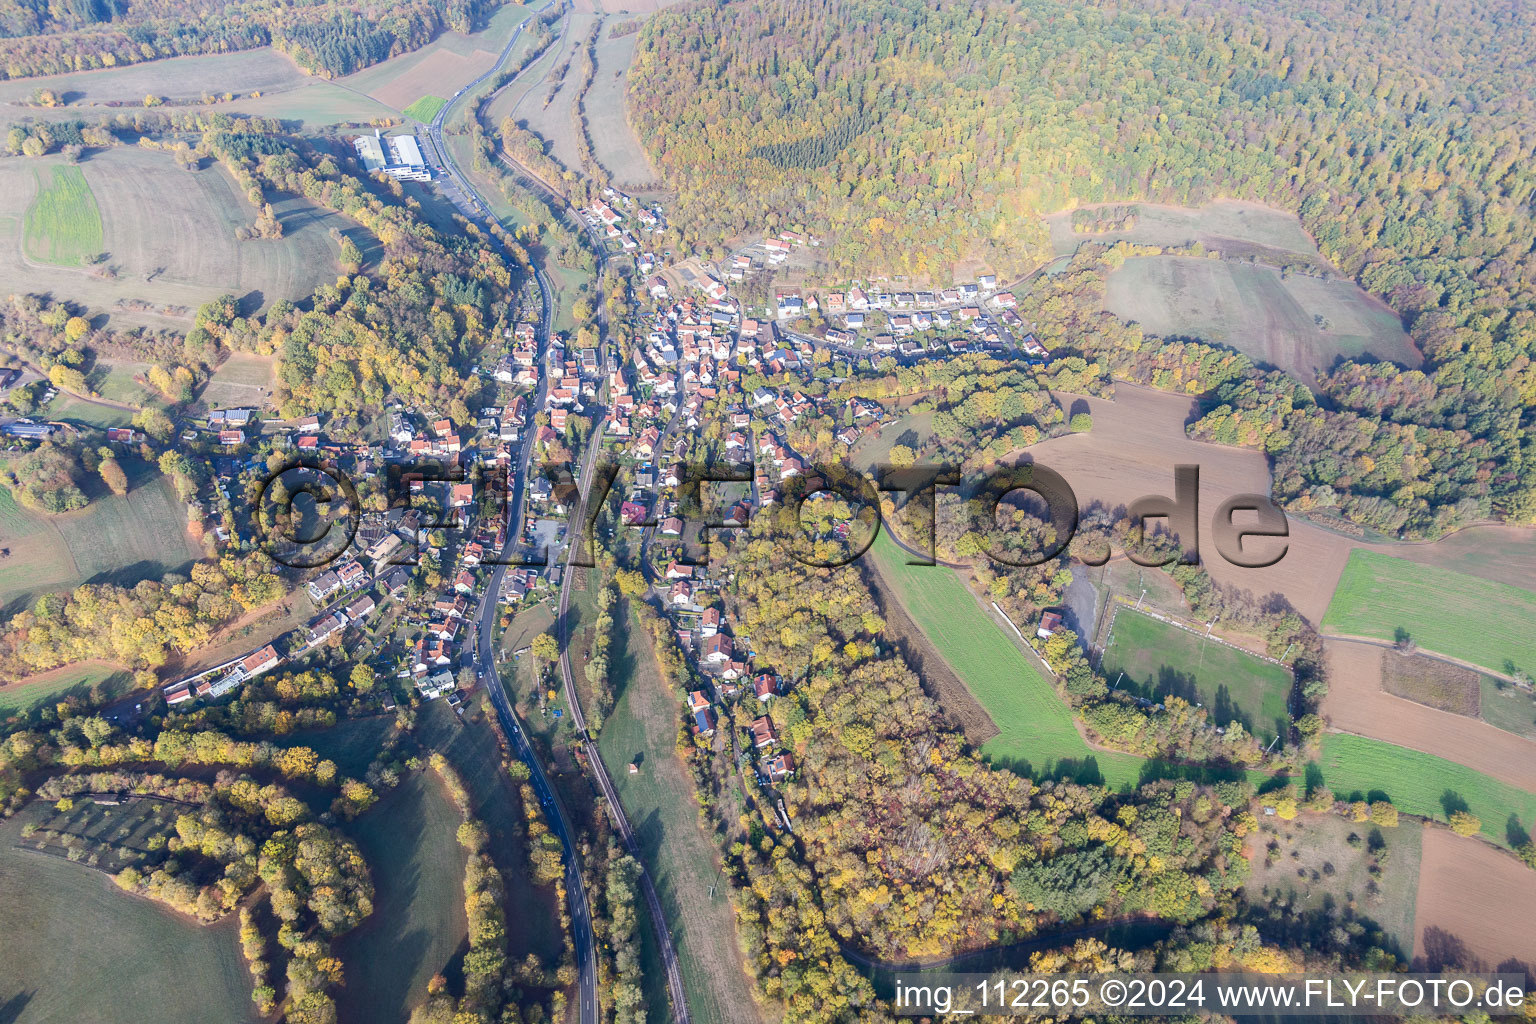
{"x":1028,"y":647}
{"x":1355,"y":638}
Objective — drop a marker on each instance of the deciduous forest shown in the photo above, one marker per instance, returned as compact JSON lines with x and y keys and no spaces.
{"x":1401,"y":136}
{"x":327,"y":38}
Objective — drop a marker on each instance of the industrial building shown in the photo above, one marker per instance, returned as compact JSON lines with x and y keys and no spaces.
{"x":398,"y":156}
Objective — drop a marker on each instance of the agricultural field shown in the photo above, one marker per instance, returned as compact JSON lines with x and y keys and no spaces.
{"x":143,"y":961}
{"x":79,"y":680}
{"x":1159,"y":659}
{"x":316,"y":103}
{"x":614,"y":141}
{"x":554,"y":120}
{"x":418,"y":919}
{"x":122,"y":539}
{"x":426,"y":108}
{"x":1476,"y":907}
{"x":446,"y":64}
{"x":1433,"y":683}
{"x":1505,"y":554}
{"x":1131,"y":452}
{"x":1312,"y":860}
{"x":1474,"y":620}
{"x":1358,"y":702}
{"x":680,"y":856}
{"x":1297,"y":323}
{"x":1425,"y":785}
{"x":241,"y":379}
{"x":63,"y":223}
{"x":262,"y":71}
{"x":164,"y":260}
{"x":1037,"y":733}
{"x":521,"y":96}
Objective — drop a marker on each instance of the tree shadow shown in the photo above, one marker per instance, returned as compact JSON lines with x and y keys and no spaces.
{"x":1444,"y":951}
{"x":1452,"y":801}
{"x":251,"y":302}
{"x":1514,"y":834}
{"x":1313,"y":776}
{"x":10,"y":1010}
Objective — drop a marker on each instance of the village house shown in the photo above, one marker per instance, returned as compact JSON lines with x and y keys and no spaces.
{"x":255,"y":664}
{"x":715,"y":650}
{"x":762,"y":733}
{"x":781,"y":766}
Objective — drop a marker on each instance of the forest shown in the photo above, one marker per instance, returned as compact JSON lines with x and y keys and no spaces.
{"x":1401,"y":136}
{"x":907,"y":845}
{"x":327,"y":38}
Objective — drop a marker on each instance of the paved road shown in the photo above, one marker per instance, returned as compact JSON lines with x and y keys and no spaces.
{"x":485,"y":612}
{"x":575,"y":890}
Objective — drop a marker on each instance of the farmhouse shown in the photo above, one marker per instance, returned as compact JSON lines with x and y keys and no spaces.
{"x":1050,"y":622}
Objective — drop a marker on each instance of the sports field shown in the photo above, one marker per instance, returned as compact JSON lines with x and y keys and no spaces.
{"x":1475,"y":620}
{"x":1160,"y":659}
{"x":63,"y":222}
{"x":426,"y":108}
{"x":1036,"y":727}
{"x":1422,"y":784}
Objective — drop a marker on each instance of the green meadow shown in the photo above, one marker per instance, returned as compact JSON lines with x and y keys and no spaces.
{"x":1036,"y":726}
{"x":426,"y":108}
{"x":63,"y":224}
{"x":1423,"y":784}
{"x":1465,"y":617}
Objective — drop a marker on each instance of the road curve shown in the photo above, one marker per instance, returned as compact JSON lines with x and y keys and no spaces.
{"x":485,"y":614}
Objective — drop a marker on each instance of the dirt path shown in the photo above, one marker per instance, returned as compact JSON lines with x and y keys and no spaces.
{"x":1357,"y":704}
{"x":1349,"y":638}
